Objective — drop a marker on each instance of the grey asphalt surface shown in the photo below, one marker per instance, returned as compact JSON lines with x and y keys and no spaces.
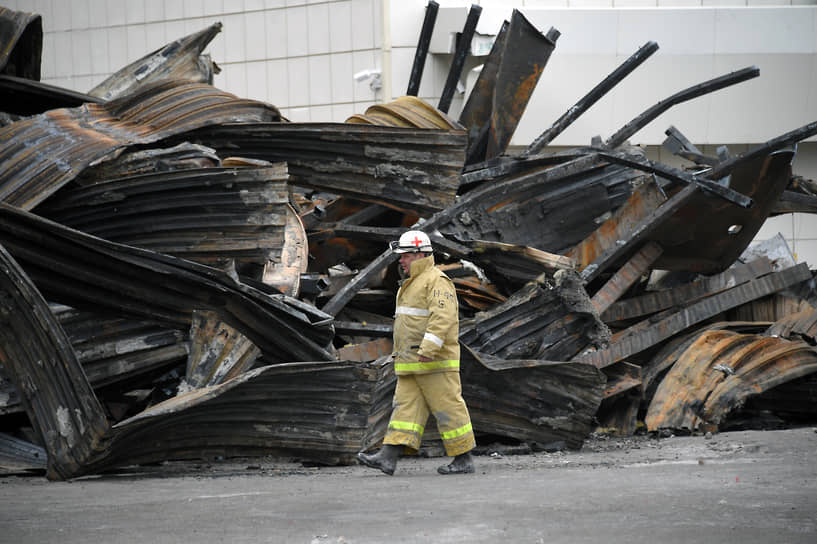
{"x":746,"y":487}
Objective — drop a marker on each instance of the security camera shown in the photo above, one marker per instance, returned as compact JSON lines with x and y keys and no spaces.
{"x":366,"y":74}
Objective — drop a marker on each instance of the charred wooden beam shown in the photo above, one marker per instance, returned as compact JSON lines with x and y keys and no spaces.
{"x":605,"y":86}
{"x":676,"y":322}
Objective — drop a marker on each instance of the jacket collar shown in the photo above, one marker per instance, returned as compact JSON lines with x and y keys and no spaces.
{"x":421,"y":265}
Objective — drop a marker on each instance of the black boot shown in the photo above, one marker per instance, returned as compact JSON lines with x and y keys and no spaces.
{"x":462,"y":464}
{"x":385,"y":459}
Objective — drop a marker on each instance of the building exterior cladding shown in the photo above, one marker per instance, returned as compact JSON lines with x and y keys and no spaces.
{"x":302,"y":56}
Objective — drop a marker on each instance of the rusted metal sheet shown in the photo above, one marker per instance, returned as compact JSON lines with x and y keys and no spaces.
{"x":540,"y":321}
{"x":626,"y":276}
{"x":645,"y":199}
{"x":719,"y":372}
{"x":84,"y":271}
{"x":550,"y":405}
{"x":407,"y":112}
{"x":504,"y":86}
{"x":728,"y":228}
{"x":214,"y":216}
{"x":70,"y":140}
{"x":180,"y":60}
{"x":668,"y":325}
{"x":411,"y":170}
{"x":656,"y":301}
{"x":21,"y":43}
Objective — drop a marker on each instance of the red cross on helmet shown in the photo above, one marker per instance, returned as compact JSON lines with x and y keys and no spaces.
{"x":412,"y":241}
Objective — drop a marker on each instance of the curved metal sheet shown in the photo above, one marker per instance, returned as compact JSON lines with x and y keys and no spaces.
{"x":719,"y":372}
{"x":214,"y":216}
{"x":180,"y":60}
{"x":42,"y":153}
{"x":21,"y":43}
{"x":406,"y":111}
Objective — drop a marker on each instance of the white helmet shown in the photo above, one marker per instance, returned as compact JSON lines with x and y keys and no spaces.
{"x":412,"y":241}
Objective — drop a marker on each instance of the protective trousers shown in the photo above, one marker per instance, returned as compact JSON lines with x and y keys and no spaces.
{"x":440,"y":394}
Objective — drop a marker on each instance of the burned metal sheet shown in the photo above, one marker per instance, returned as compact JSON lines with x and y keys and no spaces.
{"x":20,"y":97}
{"x":70,"y":140}
{"x":540,"y":321}
{"x":549,"y":208}
{"x":21,"y":43}
{"x":639,"y":337}
{"x":408,"y":169}
{"x":37,"y":355}
{"x":20,"y":457}
{"x":181,"y":60}
{"x":214,"y":216}
{"x":504,"y":86}
{"x":801,"y":324}
{"x":84,"y":271}
{"x":719,"y":372}
{"x":550,"y":405}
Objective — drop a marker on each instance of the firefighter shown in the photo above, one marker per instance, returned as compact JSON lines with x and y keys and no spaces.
{"x":427,"y":363}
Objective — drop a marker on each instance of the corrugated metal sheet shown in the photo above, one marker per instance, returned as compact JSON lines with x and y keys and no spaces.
{"x":42,"y":153}
{"x":409,"y":169}
{"x":180,"y":60}
{"x":209,"y":215}
{"x":408,"y":112}
{"x":719,"y":372}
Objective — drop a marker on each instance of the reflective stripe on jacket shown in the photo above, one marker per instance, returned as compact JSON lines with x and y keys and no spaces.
{"x":426,"y":321}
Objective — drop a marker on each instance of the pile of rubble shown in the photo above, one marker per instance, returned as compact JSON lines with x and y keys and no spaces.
{"x":187,"y":274}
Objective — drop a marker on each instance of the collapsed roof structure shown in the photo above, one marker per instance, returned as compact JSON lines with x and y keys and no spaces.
{"x":185,"y":273}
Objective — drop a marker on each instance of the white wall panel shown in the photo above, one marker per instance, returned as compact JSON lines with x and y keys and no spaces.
{"x":340,"y":29}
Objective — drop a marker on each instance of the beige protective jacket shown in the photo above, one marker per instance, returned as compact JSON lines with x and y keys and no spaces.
{"x":426,"y":322}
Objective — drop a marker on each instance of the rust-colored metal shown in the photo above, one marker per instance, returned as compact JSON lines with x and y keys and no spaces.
{"x":21,"y":44}
{"x":504,"y":86}
{"x":70,"y":140}
{"x":644,"y":200}
{"x":719,"y":372}
{"x":408,"y":112}
{"x":180,"y":59}
{"x":626,"y":276}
